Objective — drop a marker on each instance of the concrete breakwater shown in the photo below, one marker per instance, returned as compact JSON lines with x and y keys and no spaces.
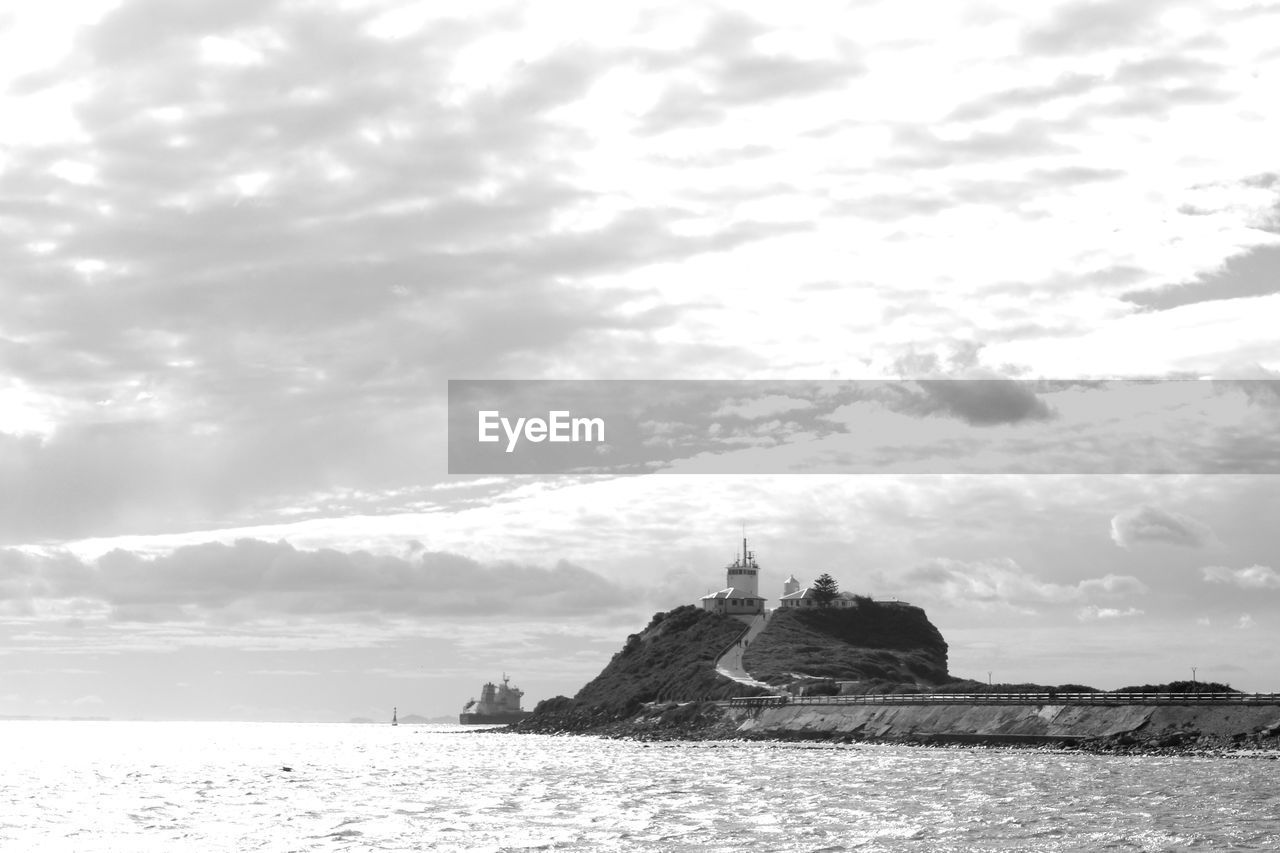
{"x":1159,"y":725}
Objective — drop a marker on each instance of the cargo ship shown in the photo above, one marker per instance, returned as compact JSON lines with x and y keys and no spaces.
{"x":499,"y":703}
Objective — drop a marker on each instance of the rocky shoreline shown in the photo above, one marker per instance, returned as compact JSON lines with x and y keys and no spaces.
{"x":707,"y":721}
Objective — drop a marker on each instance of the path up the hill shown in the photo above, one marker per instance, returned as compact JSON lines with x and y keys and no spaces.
{"x":730,"y":663}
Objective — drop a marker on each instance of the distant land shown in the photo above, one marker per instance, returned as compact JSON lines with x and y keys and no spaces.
{"x":61,"y":719}
{"x":407,"y":719}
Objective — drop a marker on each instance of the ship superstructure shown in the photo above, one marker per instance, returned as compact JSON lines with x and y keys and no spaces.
{"x":499,"y":703}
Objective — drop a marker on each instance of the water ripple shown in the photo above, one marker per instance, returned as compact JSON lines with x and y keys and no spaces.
{"x":88,"y":786}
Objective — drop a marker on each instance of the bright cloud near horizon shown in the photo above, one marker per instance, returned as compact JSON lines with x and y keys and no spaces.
{"x":246,"y":244}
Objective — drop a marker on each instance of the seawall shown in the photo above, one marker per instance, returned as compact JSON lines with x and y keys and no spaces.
{"x":1146,"y":725}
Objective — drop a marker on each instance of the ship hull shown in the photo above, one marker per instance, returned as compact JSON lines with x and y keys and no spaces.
{"x":499,"y":718}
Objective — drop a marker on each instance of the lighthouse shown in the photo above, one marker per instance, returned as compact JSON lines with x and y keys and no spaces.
{"x":741,"y":595}
{"x":743,"y":574}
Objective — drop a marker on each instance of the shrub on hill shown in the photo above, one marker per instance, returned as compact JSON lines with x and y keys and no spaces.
{"x":969,"y":686}
{"x":1181,"y":687}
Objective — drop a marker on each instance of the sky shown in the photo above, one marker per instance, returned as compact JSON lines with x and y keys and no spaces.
{"x":246,"y":245}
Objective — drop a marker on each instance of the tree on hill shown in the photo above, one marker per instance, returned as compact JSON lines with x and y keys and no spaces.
{"x":825,"y":590}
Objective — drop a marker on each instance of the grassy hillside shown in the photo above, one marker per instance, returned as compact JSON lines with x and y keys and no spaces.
{"x":876,"y":642}
{"x":672,"y":659}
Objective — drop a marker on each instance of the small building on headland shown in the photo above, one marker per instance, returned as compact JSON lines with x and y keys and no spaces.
{"x":741,"y":595}
{"x":794,"y":596}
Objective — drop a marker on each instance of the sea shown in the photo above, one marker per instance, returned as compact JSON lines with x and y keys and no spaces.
{"x":200,"y":786}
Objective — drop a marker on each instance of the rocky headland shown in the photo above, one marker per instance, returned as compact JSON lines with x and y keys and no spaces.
{"x":877,"y":672}
{"x":871,"y":647}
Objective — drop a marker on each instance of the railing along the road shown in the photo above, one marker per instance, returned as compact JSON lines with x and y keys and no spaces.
{"x":1054,"y":698}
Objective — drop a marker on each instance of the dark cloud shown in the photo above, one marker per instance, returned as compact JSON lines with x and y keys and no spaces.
{"x":977,"y":402}
{"x":1147,"y":524}
{"x":253,"y":579}
{"x":1254,"y":273}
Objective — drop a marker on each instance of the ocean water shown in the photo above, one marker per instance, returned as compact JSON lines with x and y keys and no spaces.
{"x":145,"y":786}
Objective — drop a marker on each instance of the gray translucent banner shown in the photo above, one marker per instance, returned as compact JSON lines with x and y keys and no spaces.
{"x":943,"y":426}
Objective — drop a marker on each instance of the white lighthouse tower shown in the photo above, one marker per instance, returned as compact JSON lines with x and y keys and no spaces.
{"x":743,"y":574}
{"x":741,"y":596}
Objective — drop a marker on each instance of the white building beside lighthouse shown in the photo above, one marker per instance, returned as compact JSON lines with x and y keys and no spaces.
{"x":741,"y":596}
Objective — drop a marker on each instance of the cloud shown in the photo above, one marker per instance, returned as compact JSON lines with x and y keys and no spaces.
{"x":1253,"y":577}
{"x":917,"y":147}
{"x":933,"y":425}
{"x":1067,"y":85}
{"x":1113,"y":585}
{"x":1253,"y":273}
{"x":1147,"y":524}
{"x":280,"y":250}
{"x":1153,"y":86}
{"x":1004,"y":583}
{"x":270,"y":231}
{"x":977,"y":402}
{"x":1082,"y":27}
{"x":253,"y":579}
{"x":762,"y":407}
{"x":1093,"y":612}
{"x":725,"y":68}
